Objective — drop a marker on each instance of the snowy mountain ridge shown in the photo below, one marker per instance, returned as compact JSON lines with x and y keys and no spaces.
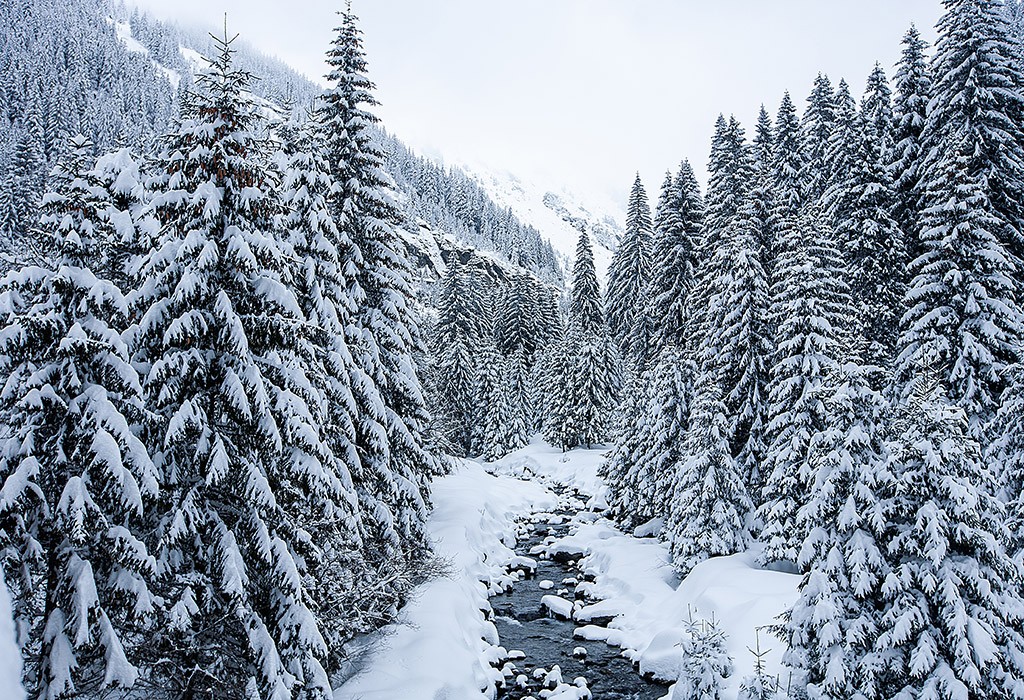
{"x":558,"y":213}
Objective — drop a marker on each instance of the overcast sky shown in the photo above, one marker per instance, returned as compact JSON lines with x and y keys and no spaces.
{"x":581,"y":93}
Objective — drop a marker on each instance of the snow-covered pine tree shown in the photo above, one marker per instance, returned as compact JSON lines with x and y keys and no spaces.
{"x":385,"y":338}
{"x":584,"y":369}
{"x":677,"y":224}
{"x":706,"y":664}
{"x":76,"y":475}
{"x":514,"y":399}
{"x":831,"y":629}
{"x":585,"y":295}
{"x":816,"y":128}
{"x":28,"y":173}
{"x":810,"y":309}
{"x":759,"y":685}
{"x":731,"y":173}
{"x":913,"y":91}
{"x":594,"y":385}
{"x":458,"y":334}
{"x":641,"y":468}
{"x":841,"y":155}
{"x":761,"y":194}
{"x":710,"y":505}
{"x":558,"y":426}
{"x":487,"y":402}
{"x":952,"y":608}
{"x":244,"y":467}
{"x":968,"y":325}
{"x":789,"y":183}
{"x":520,"y":319}
{"x":628,"y":277}
{"x":455,"y":410}
{"x":461,"y":307}
{"x":126,"y":215}
{"x":322,"y":289}
{"x":741,"y":336}
{"x":874,"y":245}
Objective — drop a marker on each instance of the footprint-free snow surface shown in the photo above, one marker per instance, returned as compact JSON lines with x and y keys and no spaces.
{"x":542,"y":590}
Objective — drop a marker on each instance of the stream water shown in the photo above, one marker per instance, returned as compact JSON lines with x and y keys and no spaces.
{"x":543,"y":641}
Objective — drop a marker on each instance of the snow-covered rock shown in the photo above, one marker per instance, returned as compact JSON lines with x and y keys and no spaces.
{"x":557,"y":606}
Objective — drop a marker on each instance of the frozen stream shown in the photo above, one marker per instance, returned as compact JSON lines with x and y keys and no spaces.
{"x":545,"y":640}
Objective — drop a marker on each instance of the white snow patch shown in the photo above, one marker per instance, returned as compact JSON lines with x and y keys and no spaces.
{"x":10,"y":656}
{"x":443,"y":645}
{"x":124,"y":34}
{"x":637,"y":586}
{"x":576,"y":469}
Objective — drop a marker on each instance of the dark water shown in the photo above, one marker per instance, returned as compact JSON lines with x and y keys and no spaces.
{"x":524,"y":626}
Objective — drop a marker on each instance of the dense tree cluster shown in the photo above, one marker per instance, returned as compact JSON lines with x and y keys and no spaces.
{"x":216,"y":471}
{"x":840,"y":375}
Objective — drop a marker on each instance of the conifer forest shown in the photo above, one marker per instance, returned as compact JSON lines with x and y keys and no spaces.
{"x":291,"y":410}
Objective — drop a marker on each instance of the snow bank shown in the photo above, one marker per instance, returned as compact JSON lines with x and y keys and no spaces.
{"x":443,"y":645}
{"x":576,"y":469}
{"x":640,"y":599}
{"x":10,"y":657}
{"x":638,"y":589}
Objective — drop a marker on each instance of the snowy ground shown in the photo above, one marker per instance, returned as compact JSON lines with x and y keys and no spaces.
{"x":443,"y":646}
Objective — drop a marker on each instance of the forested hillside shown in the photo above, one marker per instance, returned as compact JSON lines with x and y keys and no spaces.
{"x":117,"y":76}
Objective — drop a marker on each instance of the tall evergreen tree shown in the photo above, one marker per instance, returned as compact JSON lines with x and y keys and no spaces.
{"x":244,"y":465}
{"x":595,"y":380}
{"x":952,"y":608}
{"x":488,"y":405}
{"x":710,"y":504}
{"x":641,"y":468}
{"x":761,"y":195}
{"x":910,"y":104}
{"x":628,"y":276}
{"x":832,"y":628}
{"x":816,"y":128}
{"x":789,"y":172}
{"x":677,"y":224}
{"x":810,"y":306}
{"x":514,"y":403}
{"x":585,"y":296}
{"x":741,"y":349}
{"x":321,"y":285}
{"x":874,"y":245}
{"x":1005,"y":454}
{"x":841,"y":156}
{"x":385,"y":334}
{"x":584,"y":369}
{"x":730,"y":178}
{"x":964,"y":318}
{"x":76,"y":475}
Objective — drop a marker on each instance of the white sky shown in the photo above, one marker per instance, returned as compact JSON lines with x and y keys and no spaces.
{"x":581,"y":93}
